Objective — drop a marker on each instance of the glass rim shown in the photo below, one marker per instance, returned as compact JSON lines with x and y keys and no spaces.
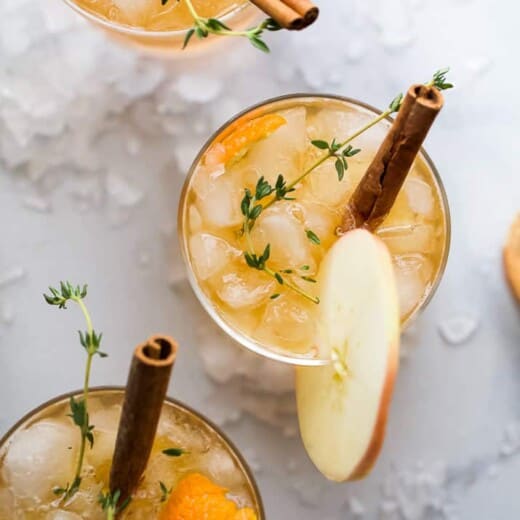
{"x":244,"y":466}
{"x":141,"y":32}
{"x":235,"y":334}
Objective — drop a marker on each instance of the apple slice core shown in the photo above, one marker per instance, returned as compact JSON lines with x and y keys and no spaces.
{"x":343,"y":407}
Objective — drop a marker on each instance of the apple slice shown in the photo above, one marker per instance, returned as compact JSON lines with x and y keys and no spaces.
{"x":512,"y":257}
{"x":343,"y":406}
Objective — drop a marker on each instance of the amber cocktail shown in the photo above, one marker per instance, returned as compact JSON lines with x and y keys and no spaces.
{"x":275,"y":138}
{"x":39,"y":454}
{"x":159,"y":27}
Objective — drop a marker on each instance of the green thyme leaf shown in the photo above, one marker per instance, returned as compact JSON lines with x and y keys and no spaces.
{"x":439,"y":80}
{"x":340,"y":169}
{"x":322,"y":145}
{"x":395,"y":104}
{"x":257,"y":42}
{"x":313,"y":237}
{"x":165,"y":491}
{"x":174,"y":452}
{"x":188,"y":36}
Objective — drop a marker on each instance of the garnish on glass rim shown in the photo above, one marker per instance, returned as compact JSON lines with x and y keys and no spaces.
{"x":252,"y":206}
{"x":90,"y":341}
{"x":282,"y":15}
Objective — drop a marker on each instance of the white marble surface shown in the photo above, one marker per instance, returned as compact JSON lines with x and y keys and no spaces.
{"x":94,"y":141}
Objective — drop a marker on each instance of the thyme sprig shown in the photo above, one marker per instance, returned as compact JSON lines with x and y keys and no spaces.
{"x":90,"y":341}
{"x":251,"y":209}
{"x":170,"y":452}
{"x":203,"y":27}
{"x":439,"y":80}
{"x":341,"y":156}
{"x":109,"y":504}
{"x":340,"y":151}
{"x":165,"y":491}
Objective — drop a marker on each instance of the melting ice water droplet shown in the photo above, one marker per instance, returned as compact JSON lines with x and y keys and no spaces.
{"x":458,"y":329}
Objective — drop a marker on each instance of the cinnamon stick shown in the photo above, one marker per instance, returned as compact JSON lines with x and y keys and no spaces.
{"x":290,"y":14}
{"x":144,"y":396}
{"x":378,"y":189}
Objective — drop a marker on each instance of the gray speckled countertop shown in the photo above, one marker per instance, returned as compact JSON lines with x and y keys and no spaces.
{"x":93,"y":143}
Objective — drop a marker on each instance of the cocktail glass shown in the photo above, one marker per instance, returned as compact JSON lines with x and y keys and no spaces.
{"x":38,"y":453}
{"x":252,"y":308}
{"x":166,"y":33}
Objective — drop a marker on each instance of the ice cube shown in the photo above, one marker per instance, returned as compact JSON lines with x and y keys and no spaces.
{"x":290,"y":319}
{"x":141,"y":81}
{"x":40,"y":458}
{"x":194,"y":219}
{"x":221,"y":468}
{"x":121,"y":191}
{"x":339,"y":124}
{"x":210,"y":254}
{"x":409,"y":238}
{"x":230,"y":362}
{"x":6,"y":313}
{"x":218,"y":197}
{"x":282,"y":151}
{"x":510,"y":443}
{"x":106,"y":422}
{"x":11,"y":276}
{"x":458,"y":329}
{"x":419,"y":195}
{"x":323,"y":221}
{"x":177,"y":431}
{"x":198,"y":88}
{"x":413,"y":274}
{"x":244,"y":288}
{"x":356,"y":507}
{"x":6,"y":503}
{"x":86,"y":499}
{"x":279,"y":227}
{"x":323,"y":186}
{"x":132,"y":12}
{"x":327,"y":124}
{"x":37,"y":204}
